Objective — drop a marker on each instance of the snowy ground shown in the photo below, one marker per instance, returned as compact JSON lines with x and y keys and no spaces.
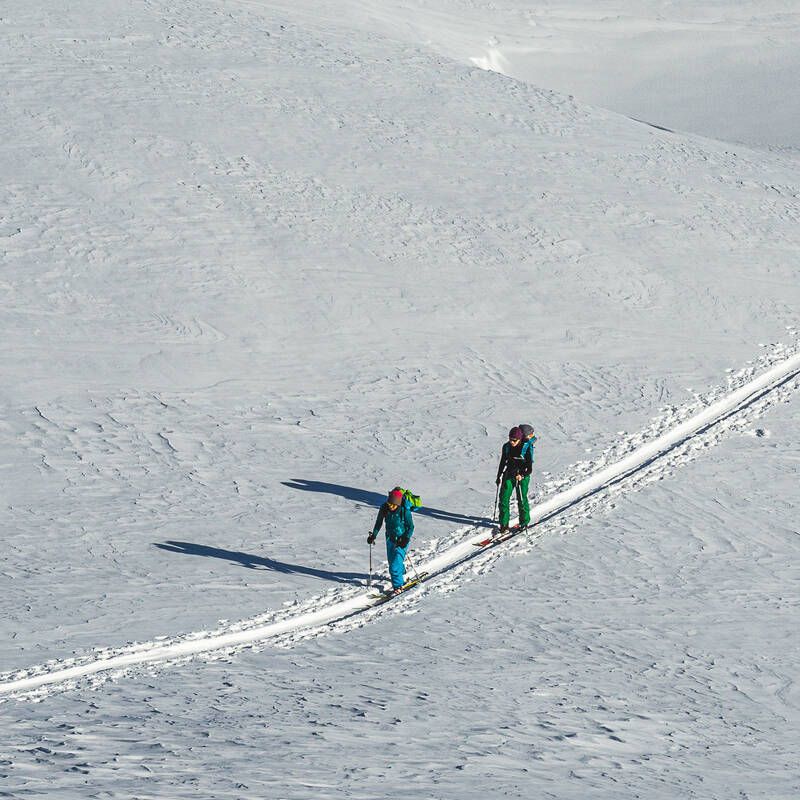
{"x":258,"y":265}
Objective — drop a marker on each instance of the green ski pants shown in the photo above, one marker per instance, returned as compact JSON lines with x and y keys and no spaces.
{"x":506,"y":490}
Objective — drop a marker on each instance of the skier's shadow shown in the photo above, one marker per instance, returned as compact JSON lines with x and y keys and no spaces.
{"x":259,"y":562}
{"x":375,"y":499}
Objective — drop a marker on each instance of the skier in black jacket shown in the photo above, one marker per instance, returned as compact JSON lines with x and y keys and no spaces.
{"x":514,"y":473}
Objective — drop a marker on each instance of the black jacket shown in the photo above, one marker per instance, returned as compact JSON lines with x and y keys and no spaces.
{"x":513,"y":463}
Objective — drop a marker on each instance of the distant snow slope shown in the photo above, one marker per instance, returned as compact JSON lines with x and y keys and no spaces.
{"x":720,"y":69}
{"x":258,"y":265}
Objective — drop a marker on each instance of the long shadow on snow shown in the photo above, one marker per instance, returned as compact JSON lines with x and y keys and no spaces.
{"x":375,"y":499}
{"x":259,"y":562}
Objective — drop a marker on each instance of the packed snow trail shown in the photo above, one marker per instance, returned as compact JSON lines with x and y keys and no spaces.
{"x":64,"y":673}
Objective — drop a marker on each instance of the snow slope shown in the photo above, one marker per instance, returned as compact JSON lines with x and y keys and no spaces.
{"x":720,"y":69}
{"x":777,"y":383}
{"x":259,"y":265}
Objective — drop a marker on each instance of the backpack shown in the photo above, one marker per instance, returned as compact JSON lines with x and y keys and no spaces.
{"x":529,"y":445}
{"x":410,"y":499}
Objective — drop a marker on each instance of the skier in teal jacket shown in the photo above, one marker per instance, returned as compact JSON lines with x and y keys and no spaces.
{"x":396,"y":513}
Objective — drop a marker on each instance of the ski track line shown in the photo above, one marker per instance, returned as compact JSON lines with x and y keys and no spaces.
{"x":23,"y":683}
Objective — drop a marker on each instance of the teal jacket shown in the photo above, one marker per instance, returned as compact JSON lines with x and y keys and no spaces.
{"x":399,"y":524}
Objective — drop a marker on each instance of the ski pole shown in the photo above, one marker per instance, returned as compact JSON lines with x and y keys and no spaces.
{"x":416,"y":574}
{"x":369,"y":580}
{"x":496,"y":495}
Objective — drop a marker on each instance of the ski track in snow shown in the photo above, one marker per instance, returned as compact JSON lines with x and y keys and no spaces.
{"x":674,"y":438}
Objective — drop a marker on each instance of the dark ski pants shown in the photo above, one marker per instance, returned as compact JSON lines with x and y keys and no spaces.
{"x":506,"y":490}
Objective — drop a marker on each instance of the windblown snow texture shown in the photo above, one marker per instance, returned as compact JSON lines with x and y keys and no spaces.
{"x":653,"y":457}
{"x":262,"y":261}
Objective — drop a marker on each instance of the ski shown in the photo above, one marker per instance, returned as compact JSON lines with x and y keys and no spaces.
{"x":404,"y":588}
{"x":500,"y":537}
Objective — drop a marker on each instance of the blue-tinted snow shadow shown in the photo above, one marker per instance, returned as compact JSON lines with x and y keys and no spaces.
{"x":375,"y":499}
{"x":259,"y":562}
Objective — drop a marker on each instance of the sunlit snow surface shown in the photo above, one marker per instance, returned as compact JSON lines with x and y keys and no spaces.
{"x":261,"y":264}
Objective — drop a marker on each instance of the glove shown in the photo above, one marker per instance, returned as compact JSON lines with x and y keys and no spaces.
{"x":371,"y":538}
{"x":403,"y":541}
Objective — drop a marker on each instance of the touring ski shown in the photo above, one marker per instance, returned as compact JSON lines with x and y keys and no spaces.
{"x":405,"y":587}
{"x":498,"y":537}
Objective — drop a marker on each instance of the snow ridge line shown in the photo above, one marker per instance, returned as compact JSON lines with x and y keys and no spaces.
{"x":32,"y":681}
